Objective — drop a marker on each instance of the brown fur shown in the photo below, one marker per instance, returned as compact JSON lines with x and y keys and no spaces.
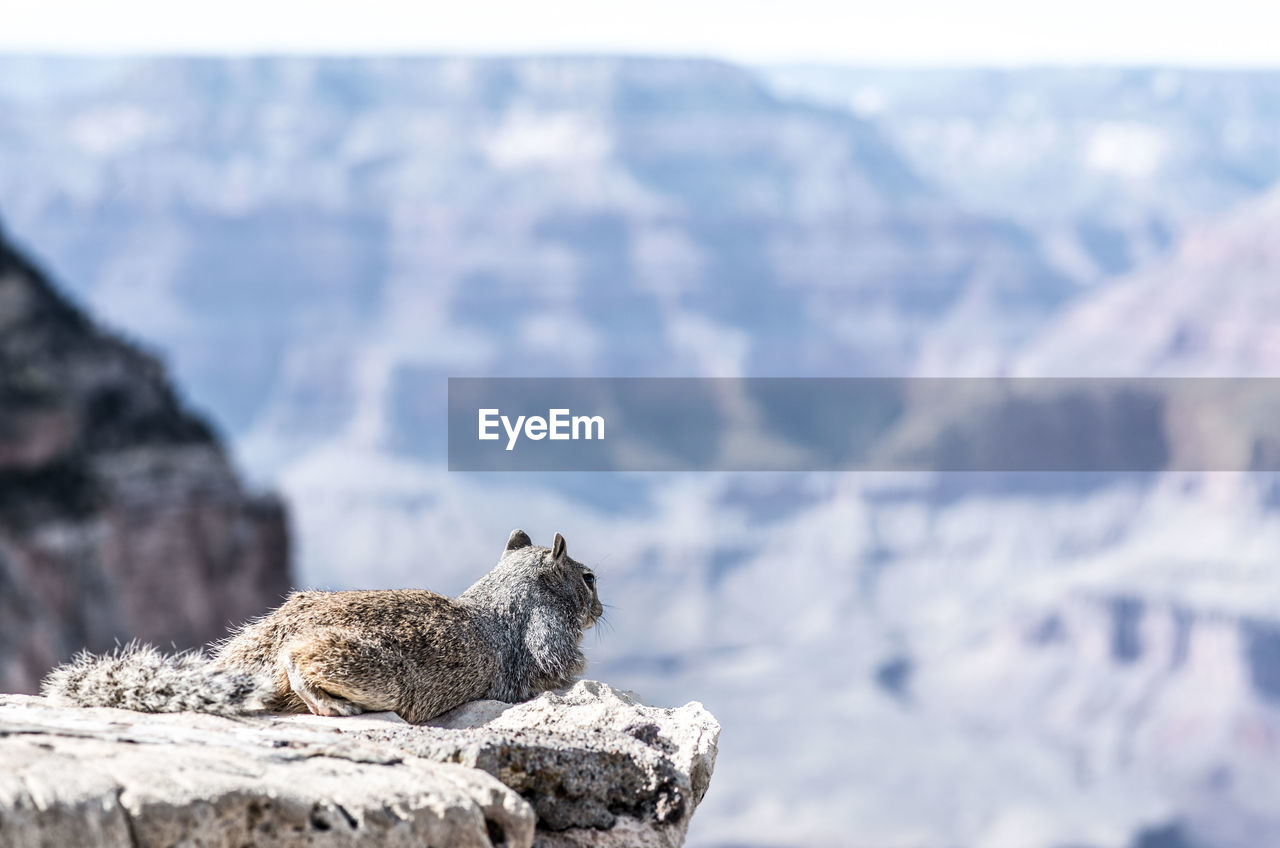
{"x":349,"y":646}
{"x":516,"y":632}
{"x":419,"y":654}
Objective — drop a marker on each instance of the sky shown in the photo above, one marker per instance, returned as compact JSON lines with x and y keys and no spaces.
{"x":1230,"y":33}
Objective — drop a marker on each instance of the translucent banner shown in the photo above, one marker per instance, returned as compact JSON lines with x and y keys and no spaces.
{"x":872,"y":424}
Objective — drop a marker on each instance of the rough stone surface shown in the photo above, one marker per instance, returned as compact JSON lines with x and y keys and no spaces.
{"x":587,"y":766}
{"x":603,"y":721}
{"x":120,"y":514}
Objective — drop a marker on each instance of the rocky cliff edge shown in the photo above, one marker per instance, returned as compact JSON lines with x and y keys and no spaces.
{"x":587,"y":766}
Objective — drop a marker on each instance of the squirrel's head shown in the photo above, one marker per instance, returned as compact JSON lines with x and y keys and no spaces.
{"x":547,"y":576}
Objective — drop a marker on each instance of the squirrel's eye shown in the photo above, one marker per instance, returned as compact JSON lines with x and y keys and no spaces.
{"x":590,"y":580}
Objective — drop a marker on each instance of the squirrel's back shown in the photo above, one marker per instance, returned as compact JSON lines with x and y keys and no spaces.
{"x":381,"y":647}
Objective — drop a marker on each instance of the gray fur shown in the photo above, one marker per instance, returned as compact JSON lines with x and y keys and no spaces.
{"x":532,"y":608}
{"x":138,"y":677}
{"x":516,"y":632}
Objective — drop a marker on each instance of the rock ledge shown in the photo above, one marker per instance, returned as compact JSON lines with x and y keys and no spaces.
{"x":586,"y":766}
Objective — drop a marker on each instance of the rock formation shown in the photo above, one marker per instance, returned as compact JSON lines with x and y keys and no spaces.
{"x":587,"y":766}
{"x":120,"y":515}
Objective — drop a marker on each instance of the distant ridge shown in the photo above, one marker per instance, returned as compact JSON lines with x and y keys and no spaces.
{"x":120,"y":516}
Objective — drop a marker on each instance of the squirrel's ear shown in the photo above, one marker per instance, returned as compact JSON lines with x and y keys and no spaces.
{"x":558,"y":547}
{"x":517,"y":540}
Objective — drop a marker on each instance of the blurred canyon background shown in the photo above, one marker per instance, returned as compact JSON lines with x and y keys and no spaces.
{"x":282,"y":261}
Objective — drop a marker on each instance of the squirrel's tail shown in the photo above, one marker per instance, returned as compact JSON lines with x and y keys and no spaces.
{"x":138,"y":677}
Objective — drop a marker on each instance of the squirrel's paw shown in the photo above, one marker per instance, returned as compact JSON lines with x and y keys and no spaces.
{"x":319,"y":701}
{"x":335,"y":707}
{"x":327,"y":705}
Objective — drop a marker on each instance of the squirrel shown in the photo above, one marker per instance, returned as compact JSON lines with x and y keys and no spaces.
{"x":515,"y":633}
